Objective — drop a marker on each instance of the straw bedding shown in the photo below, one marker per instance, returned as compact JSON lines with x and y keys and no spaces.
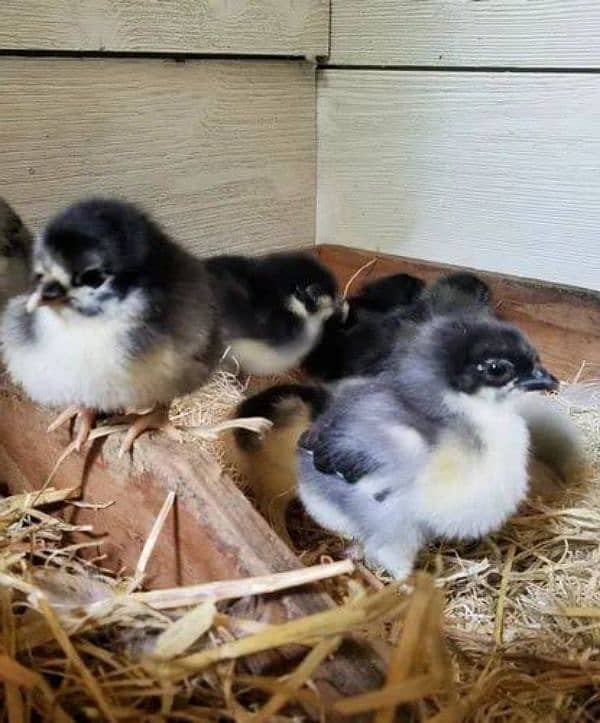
{"x":507,"y":629}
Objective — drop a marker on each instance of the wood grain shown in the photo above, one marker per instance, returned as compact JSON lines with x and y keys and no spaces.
{"x":263,"y":27}
{"x":563,"y":323}
{"x":493,"y":171}
{"x":222,"y":152}
{"x":507,"y":33}
{"x":213,"y":534}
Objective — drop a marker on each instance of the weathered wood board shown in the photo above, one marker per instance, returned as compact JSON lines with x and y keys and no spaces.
{"x":495,"y":171}
{"x":259,"y":27}
{"x":223,"y":152}
{"x":502,"y":33}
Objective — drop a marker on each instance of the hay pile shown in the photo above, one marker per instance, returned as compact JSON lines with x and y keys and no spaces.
{"x":503,"y":630}
{"x":79,"y":643}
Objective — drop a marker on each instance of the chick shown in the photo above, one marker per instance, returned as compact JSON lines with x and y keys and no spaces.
{"x":15,"y":250}
{"x":273,"y":308}
{"x":433,"y":446}
{"x":121,"y":319}
{"x":362,"y":344}
{"x":271,"y":468}
{"x":384,"y":295}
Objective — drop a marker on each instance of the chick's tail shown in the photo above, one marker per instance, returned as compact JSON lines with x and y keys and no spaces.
{"x":268,"y":462}
{"x":557,"y":451}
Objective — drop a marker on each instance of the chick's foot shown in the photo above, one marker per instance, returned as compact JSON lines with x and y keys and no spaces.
{"x":85,"y":418}
{"x":157,"y":418}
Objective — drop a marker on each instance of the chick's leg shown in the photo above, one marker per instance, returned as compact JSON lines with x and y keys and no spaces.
{"x":86,"y":418}
{"x":396,"y":554}
{"x":157,"y":418}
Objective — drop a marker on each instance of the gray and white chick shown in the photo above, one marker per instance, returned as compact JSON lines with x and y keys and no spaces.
{"x":274,"y":307}
{"x":121,"y":319}
{"x":16,"y":243}
{"x":434,"y":446}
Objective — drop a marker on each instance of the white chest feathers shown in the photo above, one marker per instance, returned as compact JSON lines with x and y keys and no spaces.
{"x":471,"y":484}
{"x":259,"y":357}
{"x":73,"y":359}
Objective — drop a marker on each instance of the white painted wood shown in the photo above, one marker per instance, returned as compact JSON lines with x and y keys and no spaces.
{"x":496,"y":171}
{"x":508,"y":33}
{"x":222,"y":152}
{"x":265,"y":27}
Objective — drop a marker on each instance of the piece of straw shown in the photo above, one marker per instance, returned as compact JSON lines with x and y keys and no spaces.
{"x":228,"y":589}
{"x":29,"y":500}
{"x":499,"y":624}
{"x":150,"y":543}
{"x":74,"y":658}
{"x":13,"y":672}
{"x":410,"y":643}
{"x":328,"y":623}
{"x":356,"y":274}
{"x":183,"y":633}
{"x":415,"y":688}
{"x":298,"y":678}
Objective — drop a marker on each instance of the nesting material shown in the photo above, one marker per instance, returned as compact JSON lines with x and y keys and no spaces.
{"x":80,"y":643}
{"x":209,"y":406}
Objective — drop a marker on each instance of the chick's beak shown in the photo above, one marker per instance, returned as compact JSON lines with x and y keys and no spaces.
{"x":48,"y":292}
{"x":538,"y":380}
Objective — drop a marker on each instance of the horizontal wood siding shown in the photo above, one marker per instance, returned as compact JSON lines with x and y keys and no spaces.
{"x":264,"y":27}
{"x":507,"y":33}
{"x":495,"y":171}
{"x":222,"y":152}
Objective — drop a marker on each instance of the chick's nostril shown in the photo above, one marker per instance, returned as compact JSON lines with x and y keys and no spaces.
{"x":52,"y":290}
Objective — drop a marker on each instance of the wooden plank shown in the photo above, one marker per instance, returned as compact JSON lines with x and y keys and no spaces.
{"x":213,"y":534}
{"x":563,"y":323}
{"x":507,"y":33}
{"x":222,"y":152}
{"x":271,"y":27}
{"x":489,"y":170}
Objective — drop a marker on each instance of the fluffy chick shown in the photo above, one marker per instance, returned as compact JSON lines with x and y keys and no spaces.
{"x":16,"y":243}
{"x":434,"y":446}
{"x":271,"y":467}
{"x":273,"y":307}
{"x":389,"y":321}
{"x":121,"y":319}
{"x":383,"y":295}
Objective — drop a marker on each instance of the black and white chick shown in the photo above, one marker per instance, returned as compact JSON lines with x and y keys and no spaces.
{"x":385,"y":317}
{"x":274,"y":308}
{"x":434,"y":446}
{"x":355,"y":327}
{"x":16,"y":243}
{"x":382,"y":296}
{"x":121,"y":319}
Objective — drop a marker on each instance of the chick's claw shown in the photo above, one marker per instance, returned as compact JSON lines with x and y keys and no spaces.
{"x":65,"y":416}
{"x":157,"y":418}
{"x":86,"y":418}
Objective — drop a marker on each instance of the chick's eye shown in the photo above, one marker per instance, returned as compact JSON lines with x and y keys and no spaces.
{"x":90,"y":277}
{"x":497,"y":371}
